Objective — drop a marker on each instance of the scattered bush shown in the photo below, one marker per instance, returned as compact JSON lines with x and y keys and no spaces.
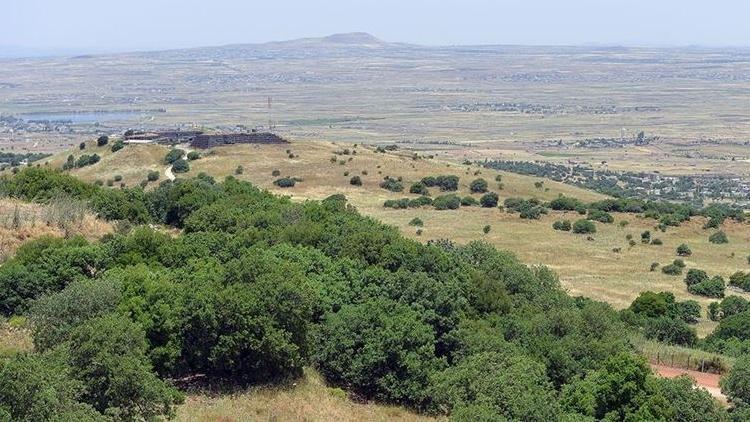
{"x":117,"y":145}
{"x":419,"y":188}
{"x":180,"y":166}
{"x":562,"y":225}
{"x":684,"y":250}
{"x":447,"y":202}
{"x":285,"y":182}
{"x":478,"y":186}
{"x":469,"y":201}
{"x":600,"y":216}
{"x":489,"y":200}
{"x":391,"y":184}
{"x":584,"y":227}
{"x":718,"y":238}
{"x":173,"y":155}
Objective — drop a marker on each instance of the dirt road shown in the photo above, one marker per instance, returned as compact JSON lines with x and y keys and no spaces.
{"x":168,"y":171}
{"x":702,"y":379}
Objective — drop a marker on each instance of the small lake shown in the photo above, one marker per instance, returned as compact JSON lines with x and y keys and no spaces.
{"x":84,"y":117}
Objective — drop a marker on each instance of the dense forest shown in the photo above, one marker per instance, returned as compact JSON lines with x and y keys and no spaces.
{"x":246,"y":287}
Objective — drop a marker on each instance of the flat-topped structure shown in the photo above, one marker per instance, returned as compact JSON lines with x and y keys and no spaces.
{"x":208,"y":141}
{"x":199,"y":139}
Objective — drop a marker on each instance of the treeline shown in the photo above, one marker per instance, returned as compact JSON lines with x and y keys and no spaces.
{"x":15,"y":159}
{"x":256,"y":287}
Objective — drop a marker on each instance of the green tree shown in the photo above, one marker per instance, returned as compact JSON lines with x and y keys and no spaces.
{"x":108,"y":355}
{"x":393,"y":355}
{"x":584,"y":227}
{"x":478,"y":186}
{"x":509,"y":386}
{"x":489,"y":200}
{"x":684,"y":250}
{"x":736,"y":384}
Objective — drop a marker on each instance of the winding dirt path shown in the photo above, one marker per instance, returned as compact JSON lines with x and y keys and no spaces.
{"x":168,"y":171}
{"x":702,"y":379}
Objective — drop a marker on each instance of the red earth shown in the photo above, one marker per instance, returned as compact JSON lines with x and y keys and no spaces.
{"x":702,"y":379}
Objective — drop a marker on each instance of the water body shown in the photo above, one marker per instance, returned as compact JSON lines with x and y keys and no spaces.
{"x":84,"y":117}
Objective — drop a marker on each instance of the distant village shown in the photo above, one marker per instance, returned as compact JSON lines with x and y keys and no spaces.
{"x":695,"y":189}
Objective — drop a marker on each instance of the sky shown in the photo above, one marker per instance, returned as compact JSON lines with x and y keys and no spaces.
{"x":129,"y":25}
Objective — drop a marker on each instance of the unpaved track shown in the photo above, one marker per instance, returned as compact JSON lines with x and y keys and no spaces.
{"x":168,"y":171}
{"x":702,"y":379}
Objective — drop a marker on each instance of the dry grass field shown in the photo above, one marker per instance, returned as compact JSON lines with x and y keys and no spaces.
{"x":305,"y":399}
{"x":586,"y":267}
{"x":20,"y":222}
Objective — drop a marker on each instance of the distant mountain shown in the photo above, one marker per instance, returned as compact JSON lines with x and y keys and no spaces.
{"x":354,"y":38}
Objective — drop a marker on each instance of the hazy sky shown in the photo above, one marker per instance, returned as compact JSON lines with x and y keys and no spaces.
{"x":96,"y":25}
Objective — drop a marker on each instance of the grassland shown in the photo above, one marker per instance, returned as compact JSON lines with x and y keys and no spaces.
{"x":592,"y":268}
{"x":304,"y":399}
{"x":20,"y":221}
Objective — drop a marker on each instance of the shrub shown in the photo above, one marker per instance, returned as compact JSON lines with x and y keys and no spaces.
{"x":447,"y":202}
{"x":486,"y":229}
{"x":478,"y":186}
{"x":285,"y":182}
{"x":82,"y":146}
{"x":736,"y":384}
{"x":695,"y":276}
{"x":713,"y":287}
{"x":670,"y":331}
{"x":392,"y":359}
{"x":469,"y":201}
{"x":656,"y":241}
{"x":193,"y":155}
{"x":654,"y":266}
{"x":180,"y":166}
{"x":152,"y":176}
{"x":173,"y":155}
{"x":646,"y":237}
{"x":684,"y":250}
{"x":355,"y":181}
{"x":391,"y":184}
{"x":117,"y":145}
{"x":600,"y":216}
{"x":565,"y":203}
{"x":117,"y":178}
{"x":87,"y":160}
{"x":718,"y":238}
{"x":102,"y":140}
{"x":562,"y":225}
{"x":584,"y":227}
{"x":239,"y":170}
{"x":276,"y":173}
{"x":740,"y":279}
{"x":419,"y":188}
{"x":489,"y":200}
{"x":671,"y":269}
{"x":446,"y":182}
{"x":416,"y":221}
